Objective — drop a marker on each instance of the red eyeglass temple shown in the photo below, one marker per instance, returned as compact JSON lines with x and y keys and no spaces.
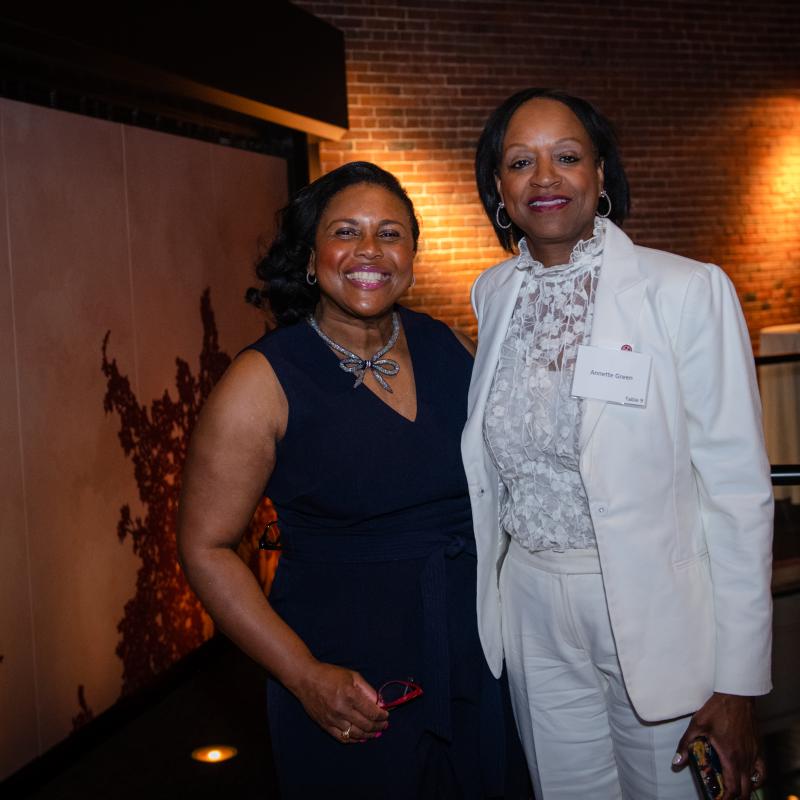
{"x":415,"y":692}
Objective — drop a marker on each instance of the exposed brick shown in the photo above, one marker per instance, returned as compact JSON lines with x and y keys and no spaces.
{"x":705,"y":98}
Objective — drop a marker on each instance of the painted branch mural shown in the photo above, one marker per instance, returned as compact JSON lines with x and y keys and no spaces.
{"x":164,"y":620}
{"x":85,"y":715}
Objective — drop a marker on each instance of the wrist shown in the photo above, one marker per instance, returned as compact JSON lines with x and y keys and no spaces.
{"x":727,"y":697}
{"x":301,"y":675}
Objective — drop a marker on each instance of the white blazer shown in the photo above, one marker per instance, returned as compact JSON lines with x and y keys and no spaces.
{"x":679,"y":491}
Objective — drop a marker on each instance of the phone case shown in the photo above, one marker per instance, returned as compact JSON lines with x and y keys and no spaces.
{"x":706,"y":766}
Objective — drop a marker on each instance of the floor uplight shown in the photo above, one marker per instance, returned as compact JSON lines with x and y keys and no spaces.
{"x":214,"y":754}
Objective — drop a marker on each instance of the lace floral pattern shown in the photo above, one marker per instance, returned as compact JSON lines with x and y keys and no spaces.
{"x":532,"y":422}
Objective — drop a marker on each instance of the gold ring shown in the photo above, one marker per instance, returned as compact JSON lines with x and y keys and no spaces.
{"x":346,"y":732}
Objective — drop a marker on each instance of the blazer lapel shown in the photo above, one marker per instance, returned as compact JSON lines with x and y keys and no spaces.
{"x":495,"y":317}
{"x":617,"y":307}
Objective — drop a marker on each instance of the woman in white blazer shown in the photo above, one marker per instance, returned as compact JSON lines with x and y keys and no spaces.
{"x":620,"y":490}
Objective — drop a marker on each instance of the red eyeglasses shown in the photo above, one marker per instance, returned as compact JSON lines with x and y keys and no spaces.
{"x":396,"y":693}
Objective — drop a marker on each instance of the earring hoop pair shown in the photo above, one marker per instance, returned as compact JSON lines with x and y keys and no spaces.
{"x":604,"y":214}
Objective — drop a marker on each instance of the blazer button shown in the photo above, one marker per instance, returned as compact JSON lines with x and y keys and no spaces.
{"x":601,"y":509}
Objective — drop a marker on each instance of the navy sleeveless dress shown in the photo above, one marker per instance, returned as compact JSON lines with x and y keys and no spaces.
{"x":378,"y":572}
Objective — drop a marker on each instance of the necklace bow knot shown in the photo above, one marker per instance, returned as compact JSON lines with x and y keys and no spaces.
{"x":358,"y":366}
{"x":380,"y":367}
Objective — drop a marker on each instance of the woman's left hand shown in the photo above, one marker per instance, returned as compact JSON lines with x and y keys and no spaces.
{"x":728,"y":722}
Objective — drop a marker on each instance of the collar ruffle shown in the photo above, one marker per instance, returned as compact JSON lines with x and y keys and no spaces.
{"x":582,"y":255}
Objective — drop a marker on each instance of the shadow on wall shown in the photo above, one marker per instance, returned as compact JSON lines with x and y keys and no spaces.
{"x":164,"y":620}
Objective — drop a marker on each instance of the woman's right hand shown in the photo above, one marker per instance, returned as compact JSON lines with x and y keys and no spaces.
{"x":341,"y":702}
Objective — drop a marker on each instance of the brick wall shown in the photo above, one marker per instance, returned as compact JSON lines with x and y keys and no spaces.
{"x":705,"y":96}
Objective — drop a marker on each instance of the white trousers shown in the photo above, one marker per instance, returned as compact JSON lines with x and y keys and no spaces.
{"x":580,"y":733}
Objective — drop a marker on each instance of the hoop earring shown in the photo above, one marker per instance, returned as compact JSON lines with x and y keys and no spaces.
{"x":311,"y":278}
{"x":500,"y":206}
{"x":604,"y":196}
{"x":413,"y":281}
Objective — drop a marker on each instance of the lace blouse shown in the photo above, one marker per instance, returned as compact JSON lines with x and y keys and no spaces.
{"x":532,"y":422}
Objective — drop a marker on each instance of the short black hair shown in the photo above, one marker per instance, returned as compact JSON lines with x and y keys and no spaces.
{"x":283,"y":269}
{"x":490,"y":151}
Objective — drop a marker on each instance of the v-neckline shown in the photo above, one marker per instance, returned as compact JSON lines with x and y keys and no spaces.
{"x":365,"y":388}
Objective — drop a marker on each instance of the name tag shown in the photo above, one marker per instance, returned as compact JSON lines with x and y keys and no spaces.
{"x":616,"y":376}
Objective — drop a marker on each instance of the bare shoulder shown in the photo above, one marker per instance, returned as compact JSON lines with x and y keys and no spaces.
{"x":465,"y":340}
{"x":231,"y":453}
{"x":247,"y":401}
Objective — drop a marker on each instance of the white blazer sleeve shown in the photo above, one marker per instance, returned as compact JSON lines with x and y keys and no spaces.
{"x":720,"y":393}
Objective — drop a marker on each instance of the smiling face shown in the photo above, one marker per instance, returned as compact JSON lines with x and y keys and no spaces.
{"x":363,"y":252}
{"x":549,"y":178}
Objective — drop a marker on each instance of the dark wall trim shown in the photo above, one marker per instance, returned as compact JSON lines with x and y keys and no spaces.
{"x":268,"y":61}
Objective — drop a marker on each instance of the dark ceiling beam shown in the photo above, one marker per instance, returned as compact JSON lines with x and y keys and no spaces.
{"x":269,"y":61}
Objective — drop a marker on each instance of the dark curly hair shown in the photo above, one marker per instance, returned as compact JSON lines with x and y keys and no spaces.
{"x":490,"y":151}
{"x":283,"y":269}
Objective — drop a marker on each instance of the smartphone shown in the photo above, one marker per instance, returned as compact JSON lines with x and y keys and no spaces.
{"x":707,"y":768}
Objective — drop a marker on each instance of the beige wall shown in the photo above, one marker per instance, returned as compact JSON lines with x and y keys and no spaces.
{"x":102,"y":228}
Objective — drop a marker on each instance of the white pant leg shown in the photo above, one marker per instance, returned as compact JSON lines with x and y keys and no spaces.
{"x":644,"y":751}
{"x":559,"y":706}
{"x":581,"y":736}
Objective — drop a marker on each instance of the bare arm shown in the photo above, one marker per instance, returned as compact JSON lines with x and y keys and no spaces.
{"x":231,"y":457}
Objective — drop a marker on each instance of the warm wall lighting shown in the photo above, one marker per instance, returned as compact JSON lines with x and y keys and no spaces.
{"x":782,"y":175}
{"x":760,"y":242}
{"x":214,"y":754}
{"x":773,"y":196}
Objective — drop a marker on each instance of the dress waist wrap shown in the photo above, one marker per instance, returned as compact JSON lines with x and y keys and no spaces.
{"x":437,"y":547}
{"x":333,"y":546}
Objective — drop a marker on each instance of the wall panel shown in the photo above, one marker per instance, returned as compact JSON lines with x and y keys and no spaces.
{"x":67,"y":221}
{"x":18,"y":714}
{"x":121,"y":233}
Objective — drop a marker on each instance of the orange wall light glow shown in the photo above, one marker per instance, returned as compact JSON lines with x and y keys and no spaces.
{"x":764,"y":201}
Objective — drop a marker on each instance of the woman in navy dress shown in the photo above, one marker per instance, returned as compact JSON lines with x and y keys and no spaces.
{"x":348,"y":416}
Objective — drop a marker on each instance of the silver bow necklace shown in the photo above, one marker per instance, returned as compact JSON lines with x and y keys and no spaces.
{"x":358,"y":366}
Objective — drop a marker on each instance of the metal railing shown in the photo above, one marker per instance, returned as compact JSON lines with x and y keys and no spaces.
{"x":777,"y":358}
{"x":785,"y":474}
